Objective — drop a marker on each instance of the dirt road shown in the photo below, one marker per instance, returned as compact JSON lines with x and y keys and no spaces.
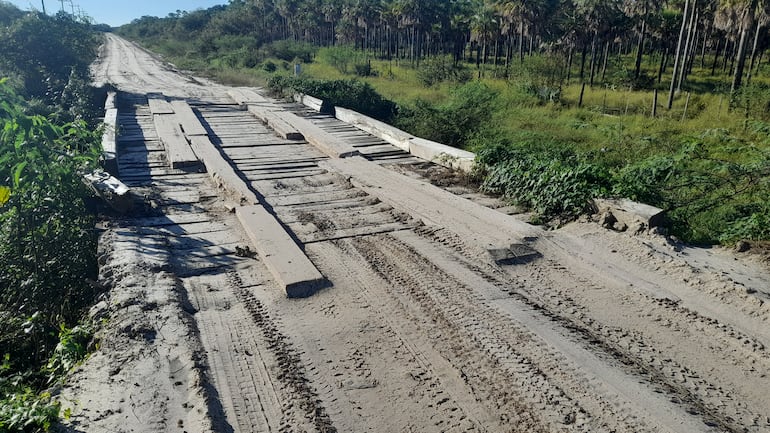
{"x":418,"y":328}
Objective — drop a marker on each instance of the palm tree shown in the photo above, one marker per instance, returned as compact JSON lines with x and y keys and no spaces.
{"x":485,"y":26}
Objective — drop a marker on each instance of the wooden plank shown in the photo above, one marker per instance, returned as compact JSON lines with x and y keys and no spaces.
{"x":325,"y":142}
{"x":178,"y":151}
{"x":109,"y":157}
{"x":221,"y":172}
{"x":159,"y":105}
{"x":290,"y":267}
{"x":275,"y":122}
{"x":244,"y":96}
{"x":191,"y":125}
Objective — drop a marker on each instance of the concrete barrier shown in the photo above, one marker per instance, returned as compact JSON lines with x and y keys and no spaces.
{"x":389,"y":133}
{"x":310,"y":102}
{"x":111,"y":101}
{"x":288,"y":264}
{"x":438,"y":153}
{"x":114,"y":192}
{"x":630,"y":213}
{"x":442,"y":154}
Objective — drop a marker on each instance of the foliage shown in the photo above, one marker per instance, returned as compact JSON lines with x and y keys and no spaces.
{"x":290,"y":51}
{"x":540,"y":76}
{"x":556,"y":185}
{"x":454,"y":122}
{"x":51,"y":56}
{"x":23,"y":410}
{"x":70,"y":350}
{"x":47,"y":248}
{"x":352,"y":94}
{"x":47,"y":245}
{"x":442,"y":68}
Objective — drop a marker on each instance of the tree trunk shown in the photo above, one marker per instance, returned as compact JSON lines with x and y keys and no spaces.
{"x":663,"y":65}
{"x":691,"y":58}
{"x":753,"y":54}
{"x":606,"y":55}
{"x":583,"y":62}
{"x":686,"y":53}
{"x":741,"y":54}
{"x":593,"y":59}
{"x":640,"y":46}
{"x":521,"y":41}
{"x":706,"y":36}
{"x":676,"y":56}
{"x":716,"y":57}
{"x":569,"y":62}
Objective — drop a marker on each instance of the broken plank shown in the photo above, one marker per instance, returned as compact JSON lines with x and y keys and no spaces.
{"x":191,"y":125}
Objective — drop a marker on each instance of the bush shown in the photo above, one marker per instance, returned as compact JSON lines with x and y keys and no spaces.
{"x":455,"y":122}
{"x":340,"y":57}
{"x":541,"y":76}
{"x":47,"y":247}
{"x":289,"y":50}
{"x":352,"y":94}
{"x":554,"y":185}
{"x":438,"y":69}
{"x":269,"y":66}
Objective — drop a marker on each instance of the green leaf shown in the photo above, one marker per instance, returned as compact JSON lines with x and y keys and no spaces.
{"x":17,"y":173}
{"x":5,"y":194}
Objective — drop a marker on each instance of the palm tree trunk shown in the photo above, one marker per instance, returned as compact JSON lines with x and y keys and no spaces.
{"x":686,"y":53}
{"x":606,"y":55}
{"x":676,"y":56}
{"x":593,"y":58}
{"x":753,"y":55}
{"x":663,"y":65}
{"x":640,"y":47}
{"x":749,"y":25}
{"x":716,"y":57}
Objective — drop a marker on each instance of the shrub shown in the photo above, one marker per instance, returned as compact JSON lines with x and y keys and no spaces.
{"x":554,"y":185}
{"x":269,"y":66}
{"x":340,"y":57}
{"x":352,"y":94}
{"x":289,"y":50}
{"x":455,"y":122}
{"x":438,"y":69}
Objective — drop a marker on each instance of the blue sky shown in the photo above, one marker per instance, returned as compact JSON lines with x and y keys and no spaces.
{"x":120,"y":12}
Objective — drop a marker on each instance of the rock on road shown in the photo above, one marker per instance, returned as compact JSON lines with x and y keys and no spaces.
{"x":416,"y":327}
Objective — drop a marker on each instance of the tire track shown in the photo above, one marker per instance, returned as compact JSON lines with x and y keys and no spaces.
{"x":303,"y":403}
{"x":633,"y":350}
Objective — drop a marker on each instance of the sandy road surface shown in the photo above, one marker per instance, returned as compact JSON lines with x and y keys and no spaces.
{"x":420,"y":330}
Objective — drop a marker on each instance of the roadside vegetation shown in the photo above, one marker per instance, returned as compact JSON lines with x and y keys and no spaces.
{"x":666,"y":102}
{"x":48,"y":137}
